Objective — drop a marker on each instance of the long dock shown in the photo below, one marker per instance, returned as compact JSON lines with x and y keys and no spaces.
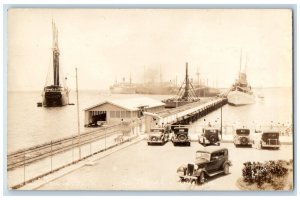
{"x":90,"y":143}
{"x":190,"y":112}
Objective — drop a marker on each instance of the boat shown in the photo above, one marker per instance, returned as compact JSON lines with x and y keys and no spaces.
{"x":185,"y":94}
{"x":55,"y":93}
{"x":159,"y":88}
{"x":123,"y":87}
{"x":241,"y":92}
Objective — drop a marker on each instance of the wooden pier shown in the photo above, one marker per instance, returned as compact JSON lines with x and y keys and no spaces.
{"x":184,"y":115}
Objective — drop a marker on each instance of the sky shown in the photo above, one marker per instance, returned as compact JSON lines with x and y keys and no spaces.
{"x":109,"y":44}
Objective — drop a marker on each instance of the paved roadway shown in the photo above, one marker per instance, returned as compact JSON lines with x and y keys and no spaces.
{"x":142,"y":167}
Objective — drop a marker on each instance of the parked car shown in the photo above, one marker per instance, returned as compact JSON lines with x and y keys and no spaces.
{"x":210,"y":135}
{"x":181,"y":136}
{"x":158,"y":136}
{"x":210,"y":161}
{"x":242,"y":137}
{"x":267,"y":139}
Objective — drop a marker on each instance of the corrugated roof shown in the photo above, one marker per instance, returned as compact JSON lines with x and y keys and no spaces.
{"x":131,"y":104}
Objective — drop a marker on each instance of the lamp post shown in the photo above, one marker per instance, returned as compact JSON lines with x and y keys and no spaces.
{"x":221,"y":120}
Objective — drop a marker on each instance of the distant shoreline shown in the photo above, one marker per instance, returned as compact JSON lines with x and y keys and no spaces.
{"x":95,"y":90}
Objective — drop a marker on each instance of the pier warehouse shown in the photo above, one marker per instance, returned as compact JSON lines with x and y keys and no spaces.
{"x":120,"y":110}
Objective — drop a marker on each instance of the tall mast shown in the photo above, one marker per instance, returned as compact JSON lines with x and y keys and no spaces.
{"x":246,"y":63}
{"x":187,"y":84}
{"x":198,"y":75}
{"x":55,"y":50}
{"x":160,"y":79}
{"x":241,"y":61}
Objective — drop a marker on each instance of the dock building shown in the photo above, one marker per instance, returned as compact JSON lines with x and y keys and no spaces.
{"x":115,"y":111}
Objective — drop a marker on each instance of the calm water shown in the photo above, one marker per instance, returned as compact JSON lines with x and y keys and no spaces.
{"x":28,"y":125}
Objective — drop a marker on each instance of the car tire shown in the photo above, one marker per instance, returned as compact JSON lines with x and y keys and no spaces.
{"x":182,"y":137}
{"x":213,"y":139}
{"x":201,"y":178}
{"x":226,"y":169}
{"x":244,"y":140}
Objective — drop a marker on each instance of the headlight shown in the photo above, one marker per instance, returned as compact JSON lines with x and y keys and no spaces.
{"x":181,"y":170}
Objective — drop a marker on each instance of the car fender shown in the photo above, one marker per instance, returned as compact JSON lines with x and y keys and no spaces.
{"x":227,"y":162}
{"x":199,"y":171}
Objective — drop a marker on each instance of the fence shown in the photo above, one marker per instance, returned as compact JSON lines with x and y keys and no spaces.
{"x":29,"y":164}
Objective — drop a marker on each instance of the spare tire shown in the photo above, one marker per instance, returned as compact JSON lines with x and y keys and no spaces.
{"x":244,"y":140}
{"x":182,"y":137}
{"x":213,"y":139}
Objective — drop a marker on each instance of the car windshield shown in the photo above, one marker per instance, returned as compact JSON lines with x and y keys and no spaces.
{"x":202,"y":155}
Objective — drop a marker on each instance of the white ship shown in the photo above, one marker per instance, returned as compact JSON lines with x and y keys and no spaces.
{"x":241,"y":93}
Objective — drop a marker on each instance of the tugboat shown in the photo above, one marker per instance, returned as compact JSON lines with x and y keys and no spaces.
{"x":185,"y":94}
{"x":55,"y":94}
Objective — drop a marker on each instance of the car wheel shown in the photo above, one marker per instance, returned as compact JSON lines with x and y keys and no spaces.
{"x":226,"y":169}
{"x":182,"y":137}
{"x":213,"y":139}
{"x":201,"y":178}
{"x":244,"y":140}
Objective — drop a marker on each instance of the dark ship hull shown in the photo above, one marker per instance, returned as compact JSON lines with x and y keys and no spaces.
{"x":174,"y":104}
{"x":55,"y":97}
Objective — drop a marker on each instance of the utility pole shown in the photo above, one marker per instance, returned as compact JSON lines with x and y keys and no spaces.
{"x":221,"y":120}
{"x":78,"y":121}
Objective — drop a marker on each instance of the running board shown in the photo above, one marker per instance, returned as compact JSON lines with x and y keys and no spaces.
{"x":215,"y":173}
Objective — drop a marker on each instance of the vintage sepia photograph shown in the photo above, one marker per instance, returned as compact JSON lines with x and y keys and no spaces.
{"x":150,"y":99}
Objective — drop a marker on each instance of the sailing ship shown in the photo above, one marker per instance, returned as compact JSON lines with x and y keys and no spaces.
{"x":241,"y":92}
{"x":55,"y":93}
{"x":185,"y":94}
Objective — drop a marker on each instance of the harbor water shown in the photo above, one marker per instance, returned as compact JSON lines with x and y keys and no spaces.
{"x":29,"y":125}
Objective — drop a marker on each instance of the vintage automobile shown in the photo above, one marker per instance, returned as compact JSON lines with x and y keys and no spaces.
{"x":210,"y":161}
{"x":266,"y":139}
{"x":181,"y":136}
{"x":210,"y":135}
{"x":158,"y":136}
{"x":242,"y":137}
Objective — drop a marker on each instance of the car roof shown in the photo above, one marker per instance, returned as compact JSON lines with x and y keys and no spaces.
{"x":239,"y":128}
{"x":211,"y":149}
{"x":211,"y":128}
{"x":177,"y":127}
{"x":270,"y":131}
